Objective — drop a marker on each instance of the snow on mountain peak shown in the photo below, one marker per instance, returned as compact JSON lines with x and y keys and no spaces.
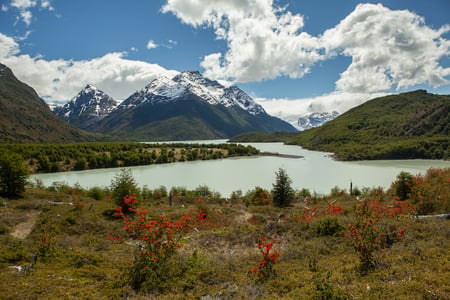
{"x":89,"y":101}
{"x":315,"y":119}
{"x":165,"y":87}
{"x":163,"y":90}
{"x":207,"y":89}
{"x":215,"y":93}
{"x":89,"y":87}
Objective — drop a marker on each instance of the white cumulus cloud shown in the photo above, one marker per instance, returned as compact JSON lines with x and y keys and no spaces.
{"x":151,"y":44}
{"x":23,"y":4}
{"x":62,"y":79}
{"x":389,"y":48}
{"x":264,"y":41}
{"x":25,"y":7}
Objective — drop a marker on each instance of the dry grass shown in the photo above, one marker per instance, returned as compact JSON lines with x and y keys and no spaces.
{"x":214,"y":262}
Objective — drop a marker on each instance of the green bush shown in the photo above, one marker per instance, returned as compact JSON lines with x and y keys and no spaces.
{"x":328,"y":226}
{"x":96,"y":193}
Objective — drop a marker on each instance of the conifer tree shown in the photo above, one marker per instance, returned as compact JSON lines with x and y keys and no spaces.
{"x":282,"y":191}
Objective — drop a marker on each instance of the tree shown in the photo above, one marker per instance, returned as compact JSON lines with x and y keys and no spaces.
{"x":13,"y":175}
{"x":282,"y":191}
{"x":403,"y":185}
{"x":123,"y":185}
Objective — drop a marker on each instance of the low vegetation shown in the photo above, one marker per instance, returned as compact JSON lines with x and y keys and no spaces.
{"x":69,"y":242}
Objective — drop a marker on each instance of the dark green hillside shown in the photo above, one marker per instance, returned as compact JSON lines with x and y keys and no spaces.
{"x":26,"y":118}
{"x":404,"y":126}
{"x":262,"y":137}
{"x":189,"y":118}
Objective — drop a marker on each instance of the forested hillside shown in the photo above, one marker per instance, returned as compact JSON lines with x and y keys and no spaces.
{"x":404,"y":126}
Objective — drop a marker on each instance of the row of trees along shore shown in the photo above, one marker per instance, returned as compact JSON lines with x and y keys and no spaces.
{"x":45,"y":158}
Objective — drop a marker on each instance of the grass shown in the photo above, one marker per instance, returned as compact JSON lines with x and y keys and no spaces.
{"x":215,"y":261}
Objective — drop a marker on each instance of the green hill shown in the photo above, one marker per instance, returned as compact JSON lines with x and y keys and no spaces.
{"x":26,"y":118}
{"x":404,"y":126}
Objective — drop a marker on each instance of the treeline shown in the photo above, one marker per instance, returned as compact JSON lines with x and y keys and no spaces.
{"x":82,"y":156}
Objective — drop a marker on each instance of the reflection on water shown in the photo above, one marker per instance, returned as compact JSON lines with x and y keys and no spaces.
{"x":315,"y":171}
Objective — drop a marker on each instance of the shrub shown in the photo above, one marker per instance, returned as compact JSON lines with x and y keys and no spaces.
{"x":157,"y":240}
{"x":367,"y":236}
{"x":96,"y":193}
{"x":328,"y":226}
{"x":265,"y":269}
{"x":430,"y":193}
{"x":260,"y":196}
{"x":203,"y":191}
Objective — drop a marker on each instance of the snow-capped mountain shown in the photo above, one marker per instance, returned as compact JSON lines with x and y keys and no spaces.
{"x":87,"y":108}
{"x":315,"y":119}
{"x":188,"y":83}
{"x":188,"y":106}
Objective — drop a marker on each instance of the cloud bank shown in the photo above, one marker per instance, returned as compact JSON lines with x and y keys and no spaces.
{"x":63,"y":79}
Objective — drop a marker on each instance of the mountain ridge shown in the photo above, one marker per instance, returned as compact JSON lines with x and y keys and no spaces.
{"x":187,"y":106}
{"x":26,"y":118}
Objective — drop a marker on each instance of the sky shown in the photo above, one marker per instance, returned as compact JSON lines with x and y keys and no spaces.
{"x":292,"y":56}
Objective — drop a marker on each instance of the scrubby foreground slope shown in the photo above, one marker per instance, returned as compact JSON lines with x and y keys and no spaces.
{"x":83,"y":251}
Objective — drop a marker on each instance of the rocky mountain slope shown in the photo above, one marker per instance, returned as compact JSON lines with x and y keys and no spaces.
{"x":87,"y":108}
{"x":26,"y":118}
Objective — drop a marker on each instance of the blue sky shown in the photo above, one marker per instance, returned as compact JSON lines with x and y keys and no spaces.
{"x":293,"y":57}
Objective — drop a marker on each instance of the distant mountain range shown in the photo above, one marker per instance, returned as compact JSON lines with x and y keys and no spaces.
{"x":26,"y":118}
{"x":315,"y":119}
{"x":187,"y":106}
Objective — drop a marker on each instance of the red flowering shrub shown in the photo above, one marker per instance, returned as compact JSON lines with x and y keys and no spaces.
{"x":367,"y":237}
{"x":260,"y":197}
{"x":46,"y":246}
{"x":334,"y":210}
{"x":430,"y":193}
{"x":265,"y":268}
{"x":157,"y":241}
{"x":309,"y":215}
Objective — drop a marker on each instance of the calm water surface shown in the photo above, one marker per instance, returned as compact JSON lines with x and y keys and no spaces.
{"x":315,"y":171}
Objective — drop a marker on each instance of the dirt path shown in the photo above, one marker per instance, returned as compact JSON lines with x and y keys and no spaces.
{"x":22,"y":230}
